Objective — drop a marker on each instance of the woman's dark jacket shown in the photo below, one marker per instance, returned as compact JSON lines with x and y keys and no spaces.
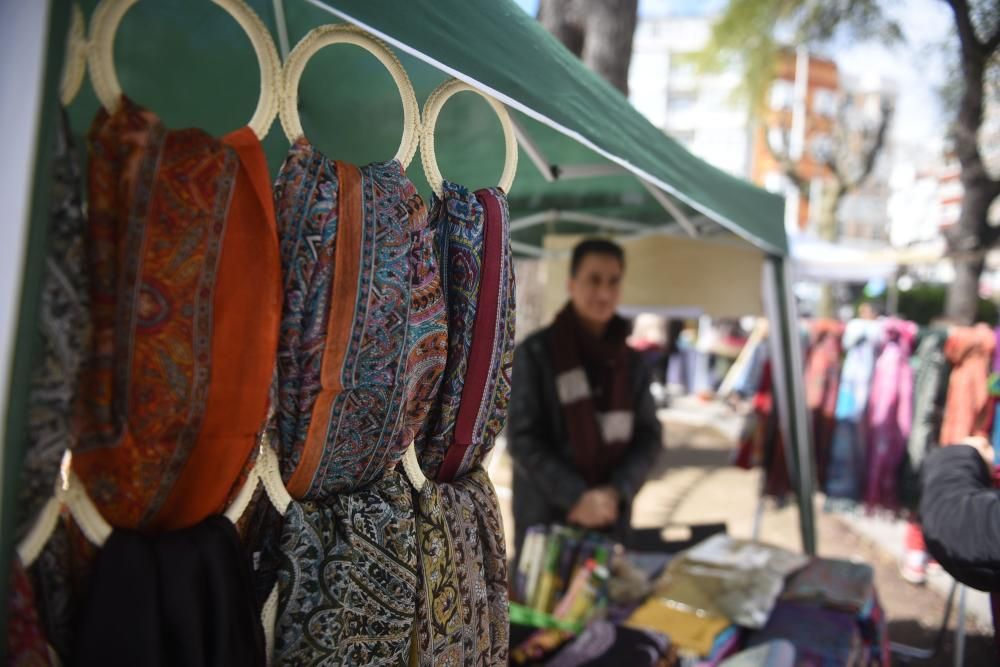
{"x":546,"y":483}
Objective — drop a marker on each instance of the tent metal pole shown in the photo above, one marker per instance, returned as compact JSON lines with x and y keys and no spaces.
{"x":526,"y":249}
{"x":671,"y":207}
{"x":786,"y":364}
{"x":803,"y":419}
{"x":539,"y":218}
{"x":538,"y":158}
{"x":282,"y":25}
{"x":571,"y":171}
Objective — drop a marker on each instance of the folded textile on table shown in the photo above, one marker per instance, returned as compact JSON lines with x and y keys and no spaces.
{"x":726,"y":578}
{"x":603,"y":644}
{"x":690,"y":632}
{"x":822,"y":637}
{"x":836,"y":584}
{"x":182,"y":598}
{"x":776,"y":653}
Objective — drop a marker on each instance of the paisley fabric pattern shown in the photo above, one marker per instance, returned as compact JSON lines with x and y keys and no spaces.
{"x":26,"y":644}
{"x":462,"y":605}
{"x":427,"y":337}
{"x":361,"y":350}
{"x":185,"y":296}
{"x":347,"y":581}
{"x":64,"y":332}
{"x":346,"y":237}
{"x":469,"y":414}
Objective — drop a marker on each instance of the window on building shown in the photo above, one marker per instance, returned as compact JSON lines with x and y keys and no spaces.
{"x":774,"y":181}
{"x":681,"y":100}
{"x":782,"y":94}
{"x":825,"y":102}
{"x":683,"y":137}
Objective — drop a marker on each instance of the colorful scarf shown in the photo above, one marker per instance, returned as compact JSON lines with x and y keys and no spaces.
{"x":930,"y":385}
{"x":462,"y":602}
{"x":346,"y":238}
{"x":890,"y":413}
{"x":968,"y":410}
{"x":185,"y":298}
{"x":822,"y":374}
{"x":347,"y":581}
{"x":26,"y":643}
{"x":183,"y":597}
{"x":64,"y":333}
{"x":462,"y":615}
{"x":846,"y":474}
{"x":599,"y":423}
{"x":361,"y":346}
{"x":478,"y":280}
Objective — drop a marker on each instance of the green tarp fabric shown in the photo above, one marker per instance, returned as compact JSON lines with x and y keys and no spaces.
{"x":192,"y":64}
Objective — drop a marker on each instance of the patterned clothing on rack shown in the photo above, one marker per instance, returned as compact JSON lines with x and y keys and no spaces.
{"x":347,"y":578}
{"x":969,"y":407}
{"x":462,"y":614}
{"x":185,"y":300}
{"x":478,"y":279}
{"x":930,"y":386}
{"x":822,"y":373}
{"x":890,"y":413}
{"x":362,"y":322}
{"x":64,"y":333}
{"x":346,"y":238}
{"x":182,"y":597}
{"x":26,"y":643}
{"x":845,"y":477}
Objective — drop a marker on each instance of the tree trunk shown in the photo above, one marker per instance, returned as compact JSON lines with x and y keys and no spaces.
{"x":598,"y":31}
{"x":972,"y":235}
{"x":827,"y":230}
{"x":963,"y":293}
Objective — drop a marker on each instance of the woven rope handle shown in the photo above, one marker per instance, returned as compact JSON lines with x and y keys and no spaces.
{"x":327,"y":35}
{"x":411,"y":466}
{"x":432,"y":109}
{"x":101,"y":57}
{"x":75,"y":65}
{"x":69,"y":493}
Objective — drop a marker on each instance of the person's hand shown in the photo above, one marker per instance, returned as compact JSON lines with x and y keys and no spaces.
{"x":983,"y":446}
{"x":596,"y":508}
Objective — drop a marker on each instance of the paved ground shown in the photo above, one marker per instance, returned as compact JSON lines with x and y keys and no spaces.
{"x":693,"y":483}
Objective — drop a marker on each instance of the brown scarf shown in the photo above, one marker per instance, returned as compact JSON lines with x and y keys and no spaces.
{"x":600,"y":422}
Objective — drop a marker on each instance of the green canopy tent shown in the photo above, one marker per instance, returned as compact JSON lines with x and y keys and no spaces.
{"x":588,"y":160}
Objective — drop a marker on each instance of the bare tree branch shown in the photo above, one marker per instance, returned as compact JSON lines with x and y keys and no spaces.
{"x":785,"y":163}
{"x":871,"y":156}
{"x":992,"y":44}
{"x":971,"y":46}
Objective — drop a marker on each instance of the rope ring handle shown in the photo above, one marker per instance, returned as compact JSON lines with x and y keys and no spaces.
{"x":75,"y":65}
{"x":101,"y":59}
{"x":411,"y":466}
{"x":326,"y":35}
{"x":432,"y":108}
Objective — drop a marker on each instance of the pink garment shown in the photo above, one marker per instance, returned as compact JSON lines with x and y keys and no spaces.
{"x":890,"y":413}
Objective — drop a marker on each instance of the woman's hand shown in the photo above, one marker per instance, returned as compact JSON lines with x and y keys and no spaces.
{"x":597,"y":508}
